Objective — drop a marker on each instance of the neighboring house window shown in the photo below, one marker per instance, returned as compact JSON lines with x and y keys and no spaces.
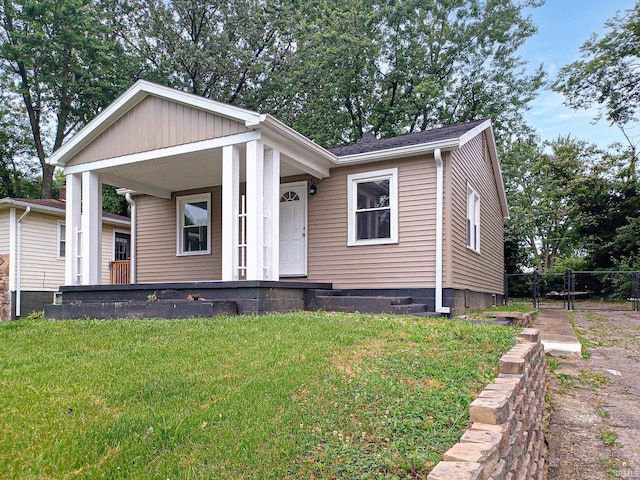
{"x":62,"y":241}
{"x":373,"y":207}
{"x":473,"y":219}
{"x":194,"y":224}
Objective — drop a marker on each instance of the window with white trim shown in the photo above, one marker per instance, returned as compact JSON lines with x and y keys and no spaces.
{"x":194,"y":224}
{"x":373,"y":207}
{"x":473,"y":219}
{"x":62,"y":240}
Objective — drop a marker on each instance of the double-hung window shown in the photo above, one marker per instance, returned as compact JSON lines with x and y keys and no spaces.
{"x":194,"y":224}
{"x":373,"y":207}
{"x":62,"y":240}
{"x":473,"y":219}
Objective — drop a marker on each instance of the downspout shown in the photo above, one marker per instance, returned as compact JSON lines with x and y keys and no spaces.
{"x":132,"y":253}
{"x":437,"y":156}
{"x":18,"y":259}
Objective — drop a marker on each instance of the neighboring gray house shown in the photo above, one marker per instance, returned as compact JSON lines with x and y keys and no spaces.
{"x":222,"y":194}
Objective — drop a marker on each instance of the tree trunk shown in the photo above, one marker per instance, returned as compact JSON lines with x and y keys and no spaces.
{"x":47,"y":180}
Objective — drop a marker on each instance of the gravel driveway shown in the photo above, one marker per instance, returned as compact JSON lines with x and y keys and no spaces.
{"x":594,"y":402}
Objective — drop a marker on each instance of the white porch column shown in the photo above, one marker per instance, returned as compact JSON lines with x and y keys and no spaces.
{"x":71,"y":227}
{"x":91,"y":229}
{"x":255,"y":202}
{"x":230,"y":198}
{"x":272,"y":211}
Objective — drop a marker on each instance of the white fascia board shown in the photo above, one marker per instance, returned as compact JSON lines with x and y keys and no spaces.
{"x":115,"y":222}
{"x":497,"y":171}
{"x":474,"y":132}
{"x":7,"y":203}
{"x":300,"y":156}
{"x":280,"y":130}
{"x":53,"y":211}
{"x":400,"y":152}
{"x":164,"y":152}
{"x":130,"y":98}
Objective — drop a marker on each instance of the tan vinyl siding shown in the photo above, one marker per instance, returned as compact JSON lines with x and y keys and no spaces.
{"x":156,"y":123}
{"x":156,"y":243}
{"x":4,"y":232}
{"x":482,"y":272}
{"x":41,"y":268}
{"x":409,"y":263}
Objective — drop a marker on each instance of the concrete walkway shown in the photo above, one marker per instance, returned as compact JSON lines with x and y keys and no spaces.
{"x":556,"y":333}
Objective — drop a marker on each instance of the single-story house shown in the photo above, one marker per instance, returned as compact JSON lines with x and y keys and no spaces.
{"x":233,"y":205}
{"x":33,"y":252}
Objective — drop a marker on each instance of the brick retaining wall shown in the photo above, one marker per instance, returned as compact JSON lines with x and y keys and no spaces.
{"x":506,"y":440}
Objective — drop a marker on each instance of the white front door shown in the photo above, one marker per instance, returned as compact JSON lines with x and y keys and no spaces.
{"x":293,"y":229}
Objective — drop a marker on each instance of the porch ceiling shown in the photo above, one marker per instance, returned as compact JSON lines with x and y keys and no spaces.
{"x":163,"y":176}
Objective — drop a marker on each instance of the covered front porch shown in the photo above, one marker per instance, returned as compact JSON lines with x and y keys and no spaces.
{"x":220,"y":168}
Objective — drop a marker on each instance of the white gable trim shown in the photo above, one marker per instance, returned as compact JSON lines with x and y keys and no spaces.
{"x":129,"y":99}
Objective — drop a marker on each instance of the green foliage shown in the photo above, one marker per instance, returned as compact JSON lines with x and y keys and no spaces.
{"x":608,"y":75}
{"x":401,"y":67}
{"x":540,"y":187}
{"x":64,"y":62}
{"x":279,"y":396}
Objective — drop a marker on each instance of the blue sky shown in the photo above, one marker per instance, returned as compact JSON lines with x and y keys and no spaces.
{"x":563,"y":26}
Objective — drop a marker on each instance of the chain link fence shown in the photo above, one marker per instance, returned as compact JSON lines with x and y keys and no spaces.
{"x":582,"y":290}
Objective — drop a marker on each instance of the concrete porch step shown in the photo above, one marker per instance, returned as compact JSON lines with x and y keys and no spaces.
{"x":136,"y":309}
{"x":409,"y":308}
{"x":337,"y":302}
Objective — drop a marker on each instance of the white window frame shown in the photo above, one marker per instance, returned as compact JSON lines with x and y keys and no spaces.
{"x":61,"y":238}
{"x":353,"y":180}
{"x":180,"y":202}
{"x":473,"y":219}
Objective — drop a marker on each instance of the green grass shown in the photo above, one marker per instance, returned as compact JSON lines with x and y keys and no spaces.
{"x":305,"y":395}
{"x":524,"y":307}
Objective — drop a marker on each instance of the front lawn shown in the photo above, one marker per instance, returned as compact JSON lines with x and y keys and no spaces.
{"x":305,"y":395}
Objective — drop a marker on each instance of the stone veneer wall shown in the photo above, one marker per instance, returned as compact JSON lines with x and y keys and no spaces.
{"x":5,"y":295}
{"x":506,"y":440}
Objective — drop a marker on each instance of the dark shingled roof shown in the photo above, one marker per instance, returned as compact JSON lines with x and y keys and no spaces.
{"x":61,"y":205}
{"x":427,"y":136}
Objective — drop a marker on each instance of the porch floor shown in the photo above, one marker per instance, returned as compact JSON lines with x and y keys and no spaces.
{"x":189,"y":299}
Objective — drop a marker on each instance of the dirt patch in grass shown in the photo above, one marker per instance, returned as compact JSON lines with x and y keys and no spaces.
{"x":594,"y":421}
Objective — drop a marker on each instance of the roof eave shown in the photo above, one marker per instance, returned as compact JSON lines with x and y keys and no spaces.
{"x":280,"y":129}
{"x":6,"y":203}
{"x":497,"y":171}
{"x":399,"y":152}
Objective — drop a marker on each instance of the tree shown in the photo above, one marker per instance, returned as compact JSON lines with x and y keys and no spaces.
{"x":217,"y":49}
{"x":398,"y":67}
{"x":64,"y":60}
{"x":540,"y":188}
{"x":16,"y":169}
{"x":609,"y":76}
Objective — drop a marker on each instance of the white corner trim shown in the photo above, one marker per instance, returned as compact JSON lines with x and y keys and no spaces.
{"x":13,"y":221}
{"x":437,"y":156}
